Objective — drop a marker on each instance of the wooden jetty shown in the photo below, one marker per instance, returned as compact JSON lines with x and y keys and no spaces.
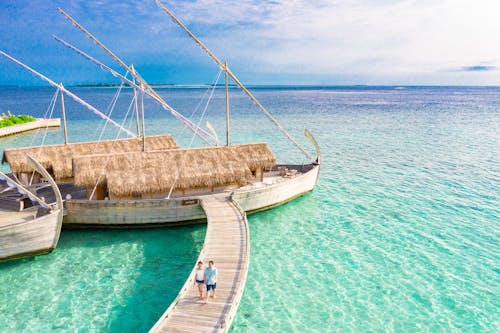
{"x":39,"y":123}
{"x":227,"y":243}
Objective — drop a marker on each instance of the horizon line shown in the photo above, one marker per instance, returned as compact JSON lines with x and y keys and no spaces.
{"x":204,"y":85}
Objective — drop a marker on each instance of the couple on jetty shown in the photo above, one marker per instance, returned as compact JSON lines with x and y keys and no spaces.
{"x":208,"y":277}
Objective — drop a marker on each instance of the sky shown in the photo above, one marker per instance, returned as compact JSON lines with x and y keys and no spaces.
{"x":276,"y":42}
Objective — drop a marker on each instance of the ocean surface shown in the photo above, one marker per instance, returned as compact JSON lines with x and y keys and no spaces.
{"x":401,"y":234}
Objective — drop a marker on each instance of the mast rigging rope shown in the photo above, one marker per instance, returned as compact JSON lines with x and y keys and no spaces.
{"x":111,"y":108}
{"x":144,"y":86}
{"x":192,"y":137}
{"x":233,"y":77}
{"x":105,"y":164}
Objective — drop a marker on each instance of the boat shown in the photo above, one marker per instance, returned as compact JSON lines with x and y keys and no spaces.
{"x":147,"y":181}
{"x":33,"y":230}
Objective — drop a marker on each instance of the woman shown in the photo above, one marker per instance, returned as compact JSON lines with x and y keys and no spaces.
{"x":200,"y":278}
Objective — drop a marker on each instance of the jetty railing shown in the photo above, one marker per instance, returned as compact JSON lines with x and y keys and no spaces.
{"x":229,"y":317}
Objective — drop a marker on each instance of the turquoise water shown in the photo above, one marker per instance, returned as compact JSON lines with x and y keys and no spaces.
{"x":98,"y":281}
{"x":401,"y":234}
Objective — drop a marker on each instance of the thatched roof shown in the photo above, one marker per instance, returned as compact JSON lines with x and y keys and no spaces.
{"x":59,"y":157}
{"x":257,"y":155}
{"x":156,"y":172}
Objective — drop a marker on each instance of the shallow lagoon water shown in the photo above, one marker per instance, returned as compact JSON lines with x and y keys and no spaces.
{"x":98,"y":280}
{"x":401,"y":234}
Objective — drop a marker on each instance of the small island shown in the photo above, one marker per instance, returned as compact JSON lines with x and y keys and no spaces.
{"x":11,"y":124}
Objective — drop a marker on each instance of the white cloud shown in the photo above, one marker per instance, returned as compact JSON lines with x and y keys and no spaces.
{"x":284,"y":41}
{"x":372,"y":40}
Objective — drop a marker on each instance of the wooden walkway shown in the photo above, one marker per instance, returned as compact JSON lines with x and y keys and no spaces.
{"x":39,"y":123}
{"x":227,"y":243}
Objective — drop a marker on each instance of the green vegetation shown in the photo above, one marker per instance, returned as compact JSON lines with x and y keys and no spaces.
{"x":10,"y":119}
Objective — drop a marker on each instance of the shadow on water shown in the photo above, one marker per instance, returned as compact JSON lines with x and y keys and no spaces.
{"x":169,"y":255}
{"x":167,"y":263}
{"x":99,"y":280}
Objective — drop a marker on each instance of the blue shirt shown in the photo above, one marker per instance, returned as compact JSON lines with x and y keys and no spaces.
{"x":211,"y":274}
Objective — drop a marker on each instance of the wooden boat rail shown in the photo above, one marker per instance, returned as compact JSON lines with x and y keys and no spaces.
{"x":229,"y":317}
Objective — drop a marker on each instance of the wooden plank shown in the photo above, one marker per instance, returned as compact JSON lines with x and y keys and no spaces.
{"x":227,"y":243}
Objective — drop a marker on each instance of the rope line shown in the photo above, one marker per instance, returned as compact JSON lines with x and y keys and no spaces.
{"x":111,"y":108}
{"x":103,"y":122}
{"x":109,"y":156}
{"x":144,"y":87}
{"x":193,"y":113}
{"x":193,"y":136}
{"x":234,"y":78}
{"x":49,"y":107}
{"x":48,"y":114}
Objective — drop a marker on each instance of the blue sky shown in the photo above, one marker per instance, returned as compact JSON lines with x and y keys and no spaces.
{"x":335,"y":42}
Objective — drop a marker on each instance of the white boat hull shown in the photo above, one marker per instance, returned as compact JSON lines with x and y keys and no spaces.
{"x":29,"y":237}
{"x":269,"y":196}
{"x":156,"y":212}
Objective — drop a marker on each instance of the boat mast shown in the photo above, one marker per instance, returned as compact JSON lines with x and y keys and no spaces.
{"x":63,"y":115}
{"x":227,"y":105}
{"x":148,"y":91}
{"x":143,"y":124}
{"x":143,"y":131}
{"x":200,"y":132}
{"x":233,"y":77}
{"x":136,"y":107}
{"x":67,"y":92}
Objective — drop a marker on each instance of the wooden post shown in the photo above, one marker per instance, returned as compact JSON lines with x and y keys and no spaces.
{"x":63,"y":114}
{"x":200,"y":132}
{"x":143,"y":125}
{"x":136,"y":107}
{"x":227,"y":105}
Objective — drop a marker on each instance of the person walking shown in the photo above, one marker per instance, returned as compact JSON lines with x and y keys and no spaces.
{"x":211,"y":278}
{"x":200,"y":278}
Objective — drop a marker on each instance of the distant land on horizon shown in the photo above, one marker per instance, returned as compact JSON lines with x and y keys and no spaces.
{"x":258,"y":86}
{"x":96,"y":85}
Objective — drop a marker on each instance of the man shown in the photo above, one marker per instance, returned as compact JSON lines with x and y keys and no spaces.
{"x":211,"y":278}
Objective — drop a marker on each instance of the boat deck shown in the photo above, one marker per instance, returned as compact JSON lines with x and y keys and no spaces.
{"x":227,"y":244}
{"x":10,"y":217}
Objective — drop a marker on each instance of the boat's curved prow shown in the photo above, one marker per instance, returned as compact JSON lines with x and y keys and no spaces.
{"x":59,"y":209}
{"x":45,"y":174}
{"x":309,"y":135}
{"x":31,"y":232}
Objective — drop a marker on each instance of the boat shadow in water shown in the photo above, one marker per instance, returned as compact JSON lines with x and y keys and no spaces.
{"x":168,"y":256}
{"x":104,"y":280}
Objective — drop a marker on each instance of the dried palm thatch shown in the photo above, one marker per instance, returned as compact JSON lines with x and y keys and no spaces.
{"x":255,"y":155}
{"x":158,"y":171}
{"x":59,"y":158}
